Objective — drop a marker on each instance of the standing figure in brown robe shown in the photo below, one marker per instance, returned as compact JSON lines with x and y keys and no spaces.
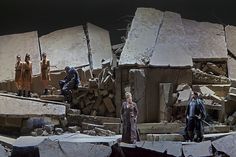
{"x":45,"y":72}
{"x":18,"y":75}
{"x":129,"y":115}
{"x":27,"y":75}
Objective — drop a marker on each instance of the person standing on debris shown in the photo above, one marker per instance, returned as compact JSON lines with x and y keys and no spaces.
{"x":129,"y":115}
{"x":27,"y":75}
{"x":194,"y":115}
{"x":45,"y":72}
{"x":71,"y":81}
{"x":18,"y":75}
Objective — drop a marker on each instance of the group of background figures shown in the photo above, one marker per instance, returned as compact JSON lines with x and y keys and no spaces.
{"x":195,"y":112}
{"x":23,"y":77}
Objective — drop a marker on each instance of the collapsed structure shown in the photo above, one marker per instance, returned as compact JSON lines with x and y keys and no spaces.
{"x":163,"y":59}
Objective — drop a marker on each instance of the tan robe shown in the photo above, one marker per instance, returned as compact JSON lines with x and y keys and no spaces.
{"x":45,"y":70}
{"x":18,"y":72}
{"x":27,"y":72}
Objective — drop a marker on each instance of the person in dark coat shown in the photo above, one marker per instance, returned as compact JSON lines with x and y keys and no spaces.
{"x":71,"y":81}
{"x":194,"y":115}
{"x":129,"y":115}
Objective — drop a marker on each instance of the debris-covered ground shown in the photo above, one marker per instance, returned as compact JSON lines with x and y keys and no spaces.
{"x":163,"y":59}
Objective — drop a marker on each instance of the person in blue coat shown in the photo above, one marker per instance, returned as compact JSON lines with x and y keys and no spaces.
{"x":71,"y":81}
{"x":194,"y":115}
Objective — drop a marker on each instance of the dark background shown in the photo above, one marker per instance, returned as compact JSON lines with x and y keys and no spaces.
{"x":48,"y":15}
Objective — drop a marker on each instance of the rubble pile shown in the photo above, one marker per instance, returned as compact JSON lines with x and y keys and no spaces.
{"x":97,"y":97}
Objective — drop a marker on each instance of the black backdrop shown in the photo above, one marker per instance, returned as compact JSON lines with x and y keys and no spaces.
{"x":48,"y":15}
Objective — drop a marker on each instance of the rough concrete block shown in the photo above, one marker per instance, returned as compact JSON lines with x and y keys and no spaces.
{"x":109,"y":104}
{"x":206,"y":91}
{"x":205,"y":40}
{"x":184,"y":97}
{"x":165,"y":137}
{"x":215,"y":69}
{"x":3,"y":153}
{"x":59,"y":98}
{"x":230,"y":32}
{"x":70,"y":44}
{"x":232,"y":90}
{"x":231,"y":66}
{"x":13,"y":106}
{"x":100,"y":45}
{"x":141,"y":37}
{"x":115,"y":127}
{"x":182,"y":86}
{"x":73,"y":129}
{"x":159,"y":128}
{"x":231,"y":96}
{"x":89,"y":126}
{"x":225,"y":144}
{"x":198,"y":149}
{"x":170,"y":49}
{"x":216,"y":129}
{"x":231,"y":120}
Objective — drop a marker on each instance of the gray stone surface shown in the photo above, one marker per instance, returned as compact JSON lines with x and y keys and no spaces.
{"x":18,"y":44}
{"x":165,"y":137}
{"x":226,"y":144}
{"x":166,"y":91}
{"x":17,"y":107}
{"x":206,"y":41}
{"x":170,"y":49}
{"x":230,"y":32}
{"x":70,"y":44}
{"x":171,"y":148}
{"x":50,"y":148}
{"x":198,"y":149}
{"x":142,"y":37}
{"x":232,"y":90}
{"x":231,"y":68}
{"x":3,"y":153}
{"x":100,"y":45}
{"x":206,"y":91}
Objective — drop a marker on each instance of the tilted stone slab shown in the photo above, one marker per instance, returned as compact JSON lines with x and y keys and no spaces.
{"x":226,"y":144}
{"x":231,"y":68}
{"x":18,"y":44}
{"x":142,"y":37}
{"x":206,"y":41}
{"x":170,"y":49}
{"x":66,"y":47}
{"x":19,"y":107}
{"x":100,"y":44}
{"x":198,"y":149}
{"x":50,"y":148}
{"x":230,"y":32}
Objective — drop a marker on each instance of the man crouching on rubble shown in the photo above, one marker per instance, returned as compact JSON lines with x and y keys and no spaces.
{"x":194,"y":115}
{"x":71,"y":81}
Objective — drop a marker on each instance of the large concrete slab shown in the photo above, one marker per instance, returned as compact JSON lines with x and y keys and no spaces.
{"x":3,"y":153}
{"x":231,"y":68}
{"x":226,"y":144}
{"x":159,"y":128}
{"x":18,"y":44}
{"x":206,"y":41}
{"x":100,"y":45}
{"x":198,"y":149}
{"x":66,"y":47}
{"x":50,"y":148}
{"x":142,"y":37}
{"x":230,"y":32}
{"x":170,"y":49}
{"x":19,"y":107}
{"x":168,"y":147}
